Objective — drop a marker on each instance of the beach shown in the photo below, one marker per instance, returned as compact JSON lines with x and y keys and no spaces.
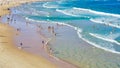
{"x":14,"y":58}
{"x":31,"y":35}
{"x":59,"y":34}
{"x":76,"y":40}
{"x":11,"y":57}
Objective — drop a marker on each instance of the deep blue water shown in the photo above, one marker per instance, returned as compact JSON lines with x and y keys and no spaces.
{"x":104,"y":6}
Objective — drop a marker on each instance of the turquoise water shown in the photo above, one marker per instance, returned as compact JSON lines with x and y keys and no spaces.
{"x":94,"y":43}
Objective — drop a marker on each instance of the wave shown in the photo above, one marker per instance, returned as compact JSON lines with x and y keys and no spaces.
{"x":32,"y":11}
{"x":98,"y":12}
{"x":66,"y":13}
{"x":48,"y":5}
{"x":78,"y":32}
{"x":96,"y":45}
{"x":54,"y":22}
{"x":109,"y":19}
{"x":109,"y":24}
{"x":104,"y":38}
{"x":71,"y":13}
{"x":86,"y":12}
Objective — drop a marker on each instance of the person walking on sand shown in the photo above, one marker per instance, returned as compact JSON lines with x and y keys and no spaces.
{"x":8,"y":19}
{"x":53,"y":30}
{"x":0,"y":18}
{"x":27,"y":22}
{"x":43,"y":42}
{"x":38,"y":28}
{"x":17,"y":29}
{"x":21,"y":44}
{"x":49,"y":28}
{"x":14,"y":21}
{"x":55,"y":34}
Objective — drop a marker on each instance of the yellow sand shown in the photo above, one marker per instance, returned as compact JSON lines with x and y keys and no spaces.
{"x":10,"y":56}
{"x":12,"y":3}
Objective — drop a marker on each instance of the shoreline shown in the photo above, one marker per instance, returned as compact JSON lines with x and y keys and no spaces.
{"x":47,"y":50}
{"x":37,"y":49}
{"x":32,"y":44}
{"x":15,"y":58}
{"x":15,"y":55}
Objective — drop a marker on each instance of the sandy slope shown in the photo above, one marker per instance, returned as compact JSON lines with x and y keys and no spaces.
{"x":10,"y":57}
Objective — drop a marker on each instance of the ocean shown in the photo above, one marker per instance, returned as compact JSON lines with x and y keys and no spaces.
{"x":96,"y":23}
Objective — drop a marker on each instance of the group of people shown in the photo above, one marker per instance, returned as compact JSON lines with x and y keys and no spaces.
{"x":11,"y":19}
{"x":52,"y":30}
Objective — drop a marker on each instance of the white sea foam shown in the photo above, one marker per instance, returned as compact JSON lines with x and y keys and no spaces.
{"x":109,"y":24}
{"x":54,"y":22}
{"x":79,"y":35}
{"x":97,"y":12}
{"x":72,"y":12}
{"x":107,"y":17}
{"x":85,"y":12}
{"x":104,"y":38}
{"x":96,"y":45}
{"x":48,"y":5}
{"x":33,"y":11}
{"x":66,"y":13}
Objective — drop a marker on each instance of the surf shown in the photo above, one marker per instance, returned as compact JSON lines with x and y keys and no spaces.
{"x":93,"y":16}
{"x":97,"y":45}
{"x":106,"y":23}
{"x":49,"y":5}
{"x":55,"y":22}
{"x":104,"y":38}
{"x":79,"y":31}
{"x":98,"y":12}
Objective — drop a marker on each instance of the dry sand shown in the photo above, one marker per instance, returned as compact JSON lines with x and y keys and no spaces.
{"x":11,"y":57}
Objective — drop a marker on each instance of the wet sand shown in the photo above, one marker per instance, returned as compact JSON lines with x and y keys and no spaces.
{"x":31,"y":35}
{"x":11,"y":57}
{"x":27,"y":44}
